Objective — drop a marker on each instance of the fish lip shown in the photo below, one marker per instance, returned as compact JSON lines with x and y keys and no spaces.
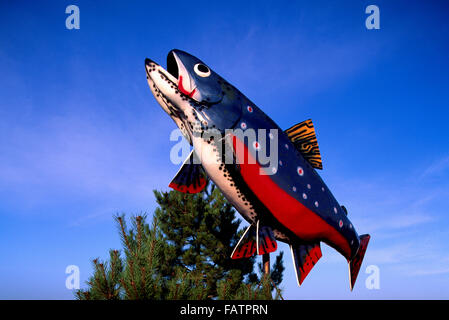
{"x":150,"y":63}
{"x":163,"y":99}
{"x":151,"y":68}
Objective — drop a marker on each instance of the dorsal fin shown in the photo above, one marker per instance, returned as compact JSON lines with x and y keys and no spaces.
{"x":303,"y":137}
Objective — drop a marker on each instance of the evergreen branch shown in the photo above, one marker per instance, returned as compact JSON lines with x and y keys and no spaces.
{"x":153,"y":242}
{"x":136,"y":294}
{"x":139,"y":232}
{"x":103,"y":273}
{"x":278,"y":291}
{"x":144,"y":280}
{"x":122,"y":281}
{"x":176,"y":292}
{"x":125,"y":237}
{"x":185,"y":255}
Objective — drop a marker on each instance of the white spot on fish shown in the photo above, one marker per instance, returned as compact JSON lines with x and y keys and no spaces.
{"x":300,"y":171}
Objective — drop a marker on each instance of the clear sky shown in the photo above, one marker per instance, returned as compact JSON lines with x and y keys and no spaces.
{"x":82,"y":138}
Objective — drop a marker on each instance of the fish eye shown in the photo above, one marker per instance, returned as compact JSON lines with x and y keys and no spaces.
{"x":201,"y":70}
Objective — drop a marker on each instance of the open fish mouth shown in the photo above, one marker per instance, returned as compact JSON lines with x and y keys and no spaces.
{"x":164,"y":86}
{"x":189,"y":76}
{"x":173,"y":80}
{"x":171,"y":73}
{"x":177,"y":69}
{"x":190,"y":92}
{"x":156,"y":73}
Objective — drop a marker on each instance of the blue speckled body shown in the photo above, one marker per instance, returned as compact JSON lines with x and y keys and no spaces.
{"x":308,"y":189}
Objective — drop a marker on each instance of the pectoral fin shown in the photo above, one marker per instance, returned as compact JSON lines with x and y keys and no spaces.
{"x":191,"y":178}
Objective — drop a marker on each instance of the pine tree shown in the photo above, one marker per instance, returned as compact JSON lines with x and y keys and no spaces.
{"x":185,"y":254}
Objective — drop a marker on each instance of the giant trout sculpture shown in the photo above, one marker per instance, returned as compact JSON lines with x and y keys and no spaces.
{"x":283,"y":200}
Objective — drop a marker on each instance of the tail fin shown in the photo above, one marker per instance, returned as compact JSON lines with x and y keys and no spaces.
{"x":356,"y":262}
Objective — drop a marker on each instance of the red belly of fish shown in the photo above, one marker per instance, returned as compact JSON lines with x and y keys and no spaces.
{"x":291,"y":213}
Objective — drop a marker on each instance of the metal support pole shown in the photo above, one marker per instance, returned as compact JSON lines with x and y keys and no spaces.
{"x":266,"y":263}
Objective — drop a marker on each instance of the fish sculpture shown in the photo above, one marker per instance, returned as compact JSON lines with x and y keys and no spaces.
{"x":268,"y":174}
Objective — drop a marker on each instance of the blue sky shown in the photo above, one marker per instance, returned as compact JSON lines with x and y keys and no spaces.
{"x":82,"y":138}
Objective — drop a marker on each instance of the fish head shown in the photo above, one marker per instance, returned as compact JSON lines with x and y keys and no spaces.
{"x":195,"y":78}
{"x":193,"y":94}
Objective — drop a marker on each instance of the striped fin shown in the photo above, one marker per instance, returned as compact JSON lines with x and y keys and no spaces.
{"x":303,"y":137}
